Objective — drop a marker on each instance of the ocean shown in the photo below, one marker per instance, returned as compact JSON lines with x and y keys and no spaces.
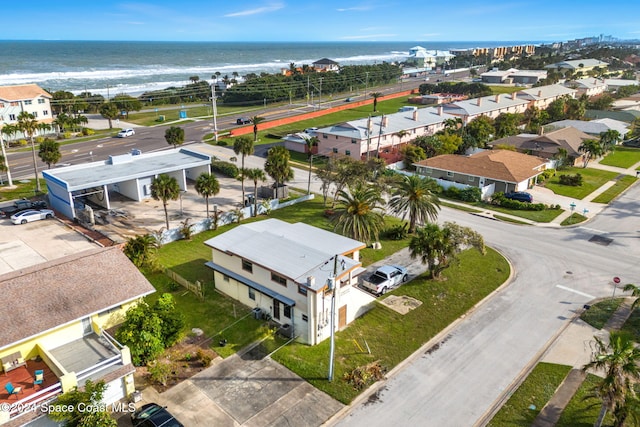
{"x":109,"y":67}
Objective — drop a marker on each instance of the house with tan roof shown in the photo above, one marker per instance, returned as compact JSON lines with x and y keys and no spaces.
{"x":54,"y":320}
{"x":283,"y":272}
{"x":547,"y":144}
{"x":542,"y":96}
{"x":30,"y":98}
{"x":489,"y":170}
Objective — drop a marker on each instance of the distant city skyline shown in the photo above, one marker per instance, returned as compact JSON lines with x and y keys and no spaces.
{"x":315,"y":20}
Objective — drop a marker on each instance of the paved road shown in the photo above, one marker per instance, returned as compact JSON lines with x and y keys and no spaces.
{"x":557,"y":271}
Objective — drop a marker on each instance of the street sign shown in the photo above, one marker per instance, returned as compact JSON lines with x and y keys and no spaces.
{"x":616,"y":280}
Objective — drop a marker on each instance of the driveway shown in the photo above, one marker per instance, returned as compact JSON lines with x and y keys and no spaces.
{"x":245,"y":390}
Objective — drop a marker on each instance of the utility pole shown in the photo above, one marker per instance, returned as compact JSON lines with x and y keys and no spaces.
{"x":6,"y":159}
{"x":320,"y":97}
{"x":368,"y":135}
{"x":366,"y":84}
{"x":214,"y":110}
{"x":333,"y":288}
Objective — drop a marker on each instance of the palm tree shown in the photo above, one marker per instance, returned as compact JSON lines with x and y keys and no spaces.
{"x":207,"y":186}
{"x":141,"y":250}
{"x":255,"y":174}
{"x":244,"y":147}
{"x":165,"y":188}
{"x":375,"y":96}
{"x":277,"y":165}
{"x":620,"y":360}
{"x":635,"y":292}
{"x":174,"y":136}
{"x":609,"y":139}
{"x":256,"y":120}
{"x":110,"y":112}
{"x":415,"y":196}
{"x":28,"y":125}
{"x":591,"y":148}
{"x":433,"y":246}
{"x":359,"y":213}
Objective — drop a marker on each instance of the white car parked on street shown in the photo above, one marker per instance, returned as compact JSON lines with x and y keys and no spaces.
{"x":31,"y":215}
{"x":125,"y":133}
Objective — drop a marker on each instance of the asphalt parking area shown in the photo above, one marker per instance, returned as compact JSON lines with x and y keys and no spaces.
{"x":246,"y":390}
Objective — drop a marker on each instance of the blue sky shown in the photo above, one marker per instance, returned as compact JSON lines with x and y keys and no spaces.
{"x":319,"y":20}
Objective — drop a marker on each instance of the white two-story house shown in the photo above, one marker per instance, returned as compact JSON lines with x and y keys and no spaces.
{"x":30,"y":98}
{"x":282,"y":270}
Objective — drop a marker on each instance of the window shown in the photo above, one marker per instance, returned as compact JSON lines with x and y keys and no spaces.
{"x":427,"y":171}
{"x":450,"y":174}
{"x":325,"y":136}
{"x":302,"y":290}
{"x":35,"y":114}
{"x":225,"y":277}
{"x":336,"y":136}
{"x":353,"y":141}
{"x":12,"y":117}
{"x":1,"y":104}
{"x":15,"y":104}
{"x":247,"y":266}
{"x":45,"y":112}
{"x":305,"y":317}
{"x":471,"y":178}
{"x":335,"y":150}
{"x":252,"y":294}
{"x":347,"y":152}
{"x":27,"y":102}
{"x":41,"y":101}
{"x":287,"y":311}
{"x":278,"y":279}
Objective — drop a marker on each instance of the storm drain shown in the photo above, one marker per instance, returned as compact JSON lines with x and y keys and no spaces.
{"x":600,"y":240}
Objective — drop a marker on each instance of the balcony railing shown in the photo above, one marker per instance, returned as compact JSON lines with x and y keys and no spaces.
{"x":33,"y":402}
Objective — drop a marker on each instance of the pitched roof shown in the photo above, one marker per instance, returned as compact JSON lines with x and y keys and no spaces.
{"x":325,"y":61}
{"x":46,"y":296}
{"x":545,"y":92}
{"x":568,"y":138}
{"x":501,"y":165}
{"x":20,"y":92}
{"x":470,"y":107}
{"x":593,"y":127}
{"x":575,"y":64}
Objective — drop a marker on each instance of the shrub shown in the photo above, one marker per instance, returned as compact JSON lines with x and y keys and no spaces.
{"x":23,"y":142}
{"x":225,"y":168}
{"x":88,"y":132}
{"x":39,"y":139}
{"x":223,"y":143}
{"x":469,"y":194}
{"x":362,"y":376}
{"x":204,"y":358}
{"x":397,"y":232}
{"x":498,"y":199}
{"x":571,"y":180}
{"x":67,"y":135}
{"x":160,"y":372}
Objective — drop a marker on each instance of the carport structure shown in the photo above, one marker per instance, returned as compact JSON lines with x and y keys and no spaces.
{"x":129,"y":175}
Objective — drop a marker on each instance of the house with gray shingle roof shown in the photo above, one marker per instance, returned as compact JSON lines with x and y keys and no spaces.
{"x":54,"y":319}
{"x":491,"y":106}
{"x":577,"y":65}
{"x":541,"y":96}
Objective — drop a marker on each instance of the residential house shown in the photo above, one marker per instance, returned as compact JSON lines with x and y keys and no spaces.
{"x":29,"y":98}
{"x":542,"y":96}
{"x":283,"y":271}
{"x":437,"y":98}
{"x":326,"y":64}
{"x":547,"y":144}
{"x":54,"y":319}
{"x":589,"y":86}
{"x":490,"y":170}
{"x":380,"y":134}
{"x":513,"y":76}
{"x":491,"y":106}
{"x":428,"y":59}
{"x":615,"y":84}
{"x":577,"y":66}
{"x":497,"y":76}
{"x":592,"y":127}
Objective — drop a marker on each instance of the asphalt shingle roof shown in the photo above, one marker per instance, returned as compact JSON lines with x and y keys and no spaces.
{"x":45,"y":296}
{"x":20,"y":92}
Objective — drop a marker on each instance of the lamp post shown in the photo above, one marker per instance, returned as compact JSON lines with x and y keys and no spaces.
{"x":214,"y":110}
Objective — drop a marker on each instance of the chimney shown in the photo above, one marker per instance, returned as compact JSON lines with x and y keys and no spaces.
{"x":514,"y":96}
{"x":540,"y":94}
{"x":440,"y":110}
{"x":497,"y":98}
{"x":479,"y":101}
{"x":541,"y":131}
{"x":385,"y":121}
{"x":311,"y":281}
{"x":415,"y":114}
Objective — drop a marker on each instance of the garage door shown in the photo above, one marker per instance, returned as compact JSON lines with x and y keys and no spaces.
{"x":114,"y":391}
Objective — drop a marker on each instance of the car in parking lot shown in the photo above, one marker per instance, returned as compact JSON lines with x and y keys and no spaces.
{"x":31,"y":215}
{"x":243,"y":121}
{"x":154,"y":415}
{"x":521,"y":196}
{"x":125,"y":133}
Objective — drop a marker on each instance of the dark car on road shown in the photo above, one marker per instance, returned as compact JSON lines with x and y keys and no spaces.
{"x":154,"y":415}
{"x":243,"y":121}
{"x":521,"y":196}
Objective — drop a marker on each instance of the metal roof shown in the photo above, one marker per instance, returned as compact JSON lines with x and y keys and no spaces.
{"x":126,"y":167}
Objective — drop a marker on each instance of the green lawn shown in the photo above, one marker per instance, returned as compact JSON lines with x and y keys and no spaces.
{"x":622,"y":157}
{"x":200,"y":109}
{"x":592,"y":180}
{"x":600,"y":312}
{"x":504,"y":89}
{"x":632,"y":325}
{"x":574,"y":218}
{"x":24,"y":188}
{"x":583,"y":409}
{"x":536,"y":390}
{"x":546,"y":215}
{"x":617,"y":188}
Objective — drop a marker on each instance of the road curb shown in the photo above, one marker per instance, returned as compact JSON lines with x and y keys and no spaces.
{"x":435,"y":341}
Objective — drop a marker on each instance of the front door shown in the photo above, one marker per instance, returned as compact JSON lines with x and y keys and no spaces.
{"x":276,"y":309}
{"x":342,"y":317}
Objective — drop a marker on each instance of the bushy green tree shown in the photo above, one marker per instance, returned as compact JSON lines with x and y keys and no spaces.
{"x":359,"y":213}
{"x":49,"y":152}
{"x":89,"y":397}
{"x":174,"y":136}
{"x":141,"y":250}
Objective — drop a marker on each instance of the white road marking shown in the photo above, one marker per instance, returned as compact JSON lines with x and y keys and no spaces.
{"x":593,"y":230}
{"x":575,"y":291}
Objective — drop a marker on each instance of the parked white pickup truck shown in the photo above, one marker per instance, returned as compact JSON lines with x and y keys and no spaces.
{"x":385,"y":278}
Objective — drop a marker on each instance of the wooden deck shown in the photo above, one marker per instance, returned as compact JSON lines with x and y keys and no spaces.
{"x":23,"y":377}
